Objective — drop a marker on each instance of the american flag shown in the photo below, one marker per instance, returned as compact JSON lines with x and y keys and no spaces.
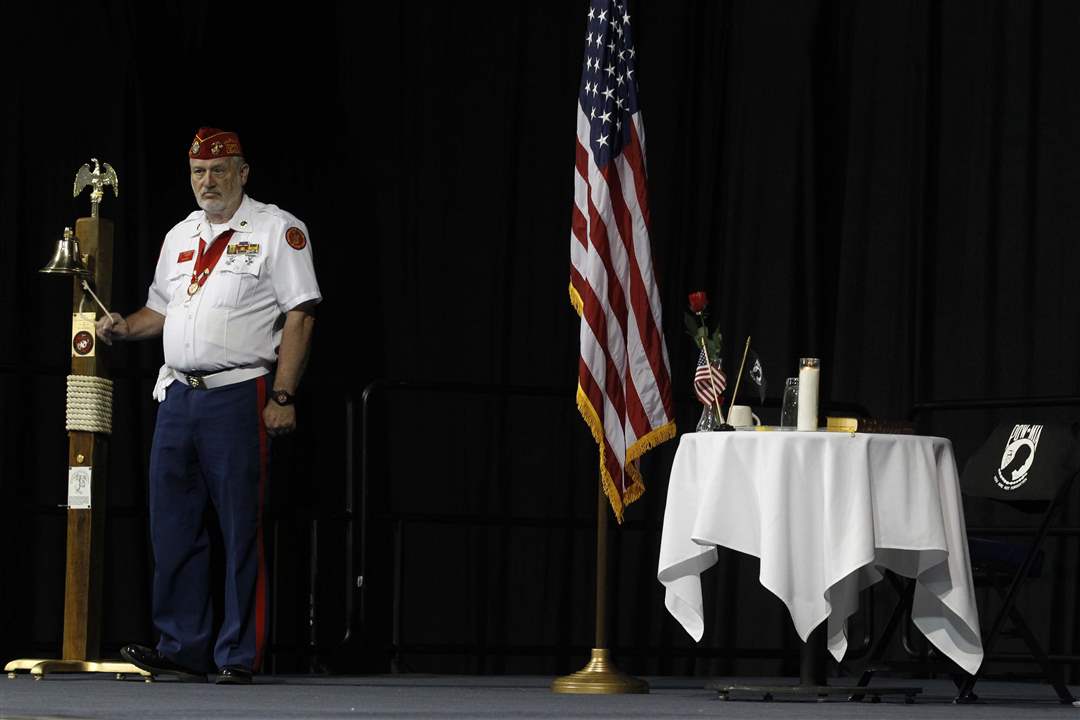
{"x":624,"y":377}
{"x":709,"y":381}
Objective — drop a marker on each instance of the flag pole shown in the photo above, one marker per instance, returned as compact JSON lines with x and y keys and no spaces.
{"x":600,"y":676}
{"x":738,"y":377}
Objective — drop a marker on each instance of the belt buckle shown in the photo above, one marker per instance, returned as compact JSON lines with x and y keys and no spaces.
{"x":195,"y":382}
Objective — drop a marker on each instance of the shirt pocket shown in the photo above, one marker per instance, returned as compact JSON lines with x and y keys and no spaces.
{"x":178,"y":282}
{"x":238,"y":279}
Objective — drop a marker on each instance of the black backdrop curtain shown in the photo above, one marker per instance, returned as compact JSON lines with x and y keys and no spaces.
{"x":888,"y":186}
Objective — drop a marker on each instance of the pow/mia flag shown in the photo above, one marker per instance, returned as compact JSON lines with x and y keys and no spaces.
{"x":1023,"y":462}
{"x":756,"y":373}
{"x":1018,"y":456}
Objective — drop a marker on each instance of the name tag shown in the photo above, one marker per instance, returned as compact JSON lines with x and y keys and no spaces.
{"x":185,"y":256}
{"x":243,"y":248}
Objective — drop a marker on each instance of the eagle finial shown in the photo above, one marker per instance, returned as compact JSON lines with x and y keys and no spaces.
{"x":98,"y":180}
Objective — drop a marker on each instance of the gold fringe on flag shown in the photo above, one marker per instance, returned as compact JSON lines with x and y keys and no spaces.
{"x":575,"y":300}
{"x":633,"y":453}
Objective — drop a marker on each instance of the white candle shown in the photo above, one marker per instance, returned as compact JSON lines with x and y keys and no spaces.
{"x":809,"y":374}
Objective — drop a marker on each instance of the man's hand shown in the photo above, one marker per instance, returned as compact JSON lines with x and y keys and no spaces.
{"x":292,"y":357}
{"x":279,"y":419}
{"x":112,"y":327}
{"x":139,"y":325}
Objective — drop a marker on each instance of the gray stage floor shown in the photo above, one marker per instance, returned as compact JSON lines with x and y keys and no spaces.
{"x":74,"y":697}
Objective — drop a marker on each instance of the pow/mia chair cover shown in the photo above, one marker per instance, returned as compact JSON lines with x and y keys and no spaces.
{"x":1030,"y":468}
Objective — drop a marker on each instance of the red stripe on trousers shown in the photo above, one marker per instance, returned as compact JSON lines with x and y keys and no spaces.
{"x":260,"y":581}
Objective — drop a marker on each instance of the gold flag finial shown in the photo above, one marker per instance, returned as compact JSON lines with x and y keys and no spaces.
{"x":98,"y":180}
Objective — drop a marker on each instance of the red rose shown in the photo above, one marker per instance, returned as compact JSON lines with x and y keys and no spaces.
{"x":698,"y":301}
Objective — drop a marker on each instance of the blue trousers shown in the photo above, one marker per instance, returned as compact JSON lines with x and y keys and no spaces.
{"x":210,"y":446}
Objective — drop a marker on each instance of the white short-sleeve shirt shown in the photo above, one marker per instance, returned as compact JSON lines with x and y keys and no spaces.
{"x":235,"y":319}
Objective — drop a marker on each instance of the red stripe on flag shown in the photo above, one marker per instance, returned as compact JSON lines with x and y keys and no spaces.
{"x":577,"y":282}
{"x":592,"y":391}
{"x":635,"y":411}
{"x":581,"y":160}
{"x":632,"y":153}
{"x":634,"y":158}
{"x":651,"y":340}
{"x":593,"y":313}
{"x":598,"y":236}
{"x":639,"y":300}
{"x":639,"y":419}
{"x":579,"y":227}
{"x":627,"y":397}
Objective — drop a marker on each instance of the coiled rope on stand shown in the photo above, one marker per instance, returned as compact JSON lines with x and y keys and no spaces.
{"x":89,"y":404}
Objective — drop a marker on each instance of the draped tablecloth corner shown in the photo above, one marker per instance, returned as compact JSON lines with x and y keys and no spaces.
{"x":825,"y":513}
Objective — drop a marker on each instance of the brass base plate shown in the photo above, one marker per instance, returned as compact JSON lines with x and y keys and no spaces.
{"x":40,"y":668}
{"x":599,"y":677}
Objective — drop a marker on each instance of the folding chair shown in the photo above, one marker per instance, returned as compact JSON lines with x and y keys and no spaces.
{"x":1030,"y":468}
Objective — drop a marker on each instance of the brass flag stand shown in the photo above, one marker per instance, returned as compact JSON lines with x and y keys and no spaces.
{"x":89,"y":422}
{"x":600,"y":676}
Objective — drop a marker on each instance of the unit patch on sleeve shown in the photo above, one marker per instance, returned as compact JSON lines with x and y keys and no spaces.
{"x":295,"y":237}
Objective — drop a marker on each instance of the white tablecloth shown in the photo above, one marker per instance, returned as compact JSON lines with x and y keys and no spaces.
{"x":825,"y":512}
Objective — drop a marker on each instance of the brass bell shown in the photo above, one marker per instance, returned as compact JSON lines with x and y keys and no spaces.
{"x":66,"y":260}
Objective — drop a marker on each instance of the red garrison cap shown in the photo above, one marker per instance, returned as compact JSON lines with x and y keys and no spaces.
{"x":212,"y":143}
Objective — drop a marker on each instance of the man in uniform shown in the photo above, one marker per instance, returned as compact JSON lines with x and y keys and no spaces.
{"x":232,"y":298}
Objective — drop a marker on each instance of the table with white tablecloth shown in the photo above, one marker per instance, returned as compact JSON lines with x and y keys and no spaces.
{"x":826,"y":513}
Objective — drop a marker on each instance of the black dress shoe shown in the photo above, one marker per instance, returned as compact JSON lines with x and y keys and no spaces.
{"x":155,"y":663}
{"x":234,"y":675}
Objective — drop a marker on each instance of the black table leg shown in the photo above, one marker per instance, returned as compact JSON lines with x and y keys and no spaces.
{"x":812,"y":658}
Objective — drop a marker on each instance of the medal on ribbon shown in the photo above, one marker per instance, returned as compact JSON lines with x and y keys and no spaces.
{"x":205,"y":262}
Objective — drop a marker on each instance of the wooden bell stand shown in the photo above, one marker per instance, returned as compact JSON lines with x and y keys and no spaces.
{"x":86,"y":526}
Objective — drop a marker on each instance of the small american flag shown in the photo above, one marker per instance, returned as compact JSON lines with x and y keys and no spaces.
{"x":709,"y":381}
{"x":624,"y":377}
